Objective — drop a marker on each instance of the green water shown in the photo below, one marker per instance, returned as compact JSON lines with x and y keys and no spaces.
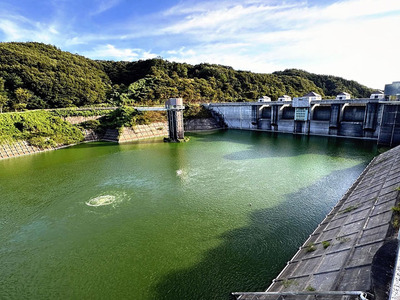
{"x":195,"y":220}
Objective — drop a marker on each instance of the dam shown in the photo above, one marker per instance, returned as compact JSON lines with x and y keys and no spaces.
{"x":356,"y":118}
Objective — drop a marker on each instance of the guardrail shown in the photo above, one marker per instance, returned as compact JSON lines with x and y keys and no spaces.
{"x":317,"y":295}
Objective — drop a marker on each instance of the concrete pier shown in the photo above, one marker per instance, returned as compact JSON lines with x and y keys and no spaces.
{"x":345,"y":251}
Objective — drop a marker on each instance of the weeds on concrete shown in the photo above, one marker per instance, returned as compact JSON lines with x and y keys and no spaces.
{"x":288,"y":282}
{"x":396,"y":222}
{"x":311,"y":247}
{"x":342,"y":239}
{"x":348,"y":209}
{"x":310,"y":289}
{"x":326,"y":244}
{"x":396,"y":215}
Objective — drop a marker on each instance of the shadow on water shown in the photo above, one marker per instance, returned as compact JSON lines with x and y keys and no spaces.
{"x":271,"y":144}
{"x":248,"y":258}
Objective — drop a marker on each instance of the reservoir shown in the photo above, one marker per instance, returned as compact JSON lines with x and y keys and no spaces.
{"x":198,"y":220}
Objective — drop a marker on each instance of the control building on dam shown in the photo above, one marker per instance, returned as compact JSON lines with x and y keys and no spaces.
{"x":375,"y":118}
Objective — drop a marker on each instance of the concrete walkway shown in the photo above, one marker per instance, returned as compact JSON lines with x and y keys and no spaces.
{"x":338,"y":255}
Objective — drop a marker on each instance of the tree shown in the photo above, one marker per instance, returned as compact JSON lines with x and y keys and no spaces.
{"x":22,"y":96}
{"x":3,"y":101}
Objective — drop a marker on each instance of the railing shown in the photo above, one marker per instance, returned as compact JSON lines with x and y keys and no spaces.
{"x":303,"y":295}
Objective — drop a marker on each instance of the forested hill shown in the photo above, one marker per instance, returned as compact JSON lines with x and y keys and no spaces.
{"x":331,"y":85}
{"x":35,"y":75}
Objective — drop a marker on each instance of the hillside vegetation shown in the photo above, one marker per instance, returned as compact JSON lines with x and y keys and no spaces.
{"x":35,"y":75}
{"x":40,"y":128}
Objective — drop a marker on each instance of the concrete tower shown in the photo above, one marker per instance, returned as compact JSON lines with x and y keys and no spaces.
{"x":175,"y":109}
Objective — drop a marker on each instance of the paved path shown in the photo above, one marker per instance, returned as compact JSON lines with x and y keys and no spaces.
{"x":352,"y":233}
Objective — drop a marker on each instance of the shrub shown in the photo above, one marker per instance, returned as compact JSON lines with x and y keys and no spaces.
{"x":311,"y":247}
{"x":41,"y":128}
{"x":326,"y":244}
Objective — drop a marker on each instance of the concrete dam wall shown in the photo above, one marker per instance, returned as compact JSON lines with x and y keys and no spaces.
{"x":357,"y":118}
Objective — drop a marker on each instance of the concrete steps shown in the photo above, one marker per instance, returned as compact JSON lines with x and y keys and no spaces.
{"x":111,"y":135}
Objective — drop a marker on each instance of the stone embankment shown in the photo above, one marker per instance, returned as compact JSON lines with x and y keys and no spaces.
{"x":136,"y":133}
{"x":20,"y":148}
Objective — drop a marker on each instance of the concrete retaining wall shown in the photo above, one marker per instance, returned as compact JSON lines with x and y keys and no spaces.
{"x":18,"y":149}
{"x":78,"y":120}
{"x":140,"y":132}
{"x":202,"y":124}
{"x":24,"y":148}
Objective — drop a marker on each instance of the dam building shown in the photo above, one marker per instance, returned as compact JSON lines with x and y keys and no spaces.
{"x":374,"y":118}
{"x":392,"y":91}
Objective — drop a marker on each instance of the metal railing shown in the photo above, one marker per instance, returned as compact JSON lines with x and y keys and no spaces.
{"x":316,"y":295}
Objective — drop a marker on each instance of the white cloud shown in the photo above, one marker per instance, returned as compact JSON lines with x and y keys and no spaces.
{"x":104,"y":5}
{"x":17,"y":28}
{"x":355,"y":39}
{"x":111,"y":52}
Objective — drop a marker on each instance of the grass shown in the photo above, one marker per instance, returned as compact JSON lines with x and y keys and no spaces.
{"x":326,"y":244}
{"x":310,"y":289}
{"x":39,"y":128}
{"x":396,"y":215}
{"x":348,"y":209}
{"x":396,"y":209}
{"x":288,"y":282}
{"x":342,"y":239}
{"x":397,"y":188}
{"x":396,"y":222}
{"x":311,"y":247}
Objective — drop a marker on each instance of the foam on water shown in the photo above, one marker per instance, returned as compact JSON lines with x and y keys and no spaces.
{"x":101,"y":200}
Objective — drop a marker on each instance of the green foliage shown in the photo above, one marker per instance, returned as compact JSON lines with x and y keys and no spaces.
{"x":3,"y":102}
{"x":81,"y":112}
{"x":195,"y":110}
{"x":311,"y":247}
{"x":326,"y":244}
{"x":331,"y":85}
{"x":40,"y":128}
{"x":91,"y":124}
{"x":396,"y":222}
{"x":35,"y":75}
{"x":57,"y":78}
{"x":157,"y":80}
{"x":348,"y":209}
{"x":310,"y":289}
{"x":396,"y":209}
{"x":289,"y":282}
{"x":128,"y":117}
{"x":342,"y":239}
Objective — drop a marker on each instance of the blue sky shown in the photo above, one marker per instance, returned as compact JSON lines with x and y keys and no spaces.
{"x":354,"y":39}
